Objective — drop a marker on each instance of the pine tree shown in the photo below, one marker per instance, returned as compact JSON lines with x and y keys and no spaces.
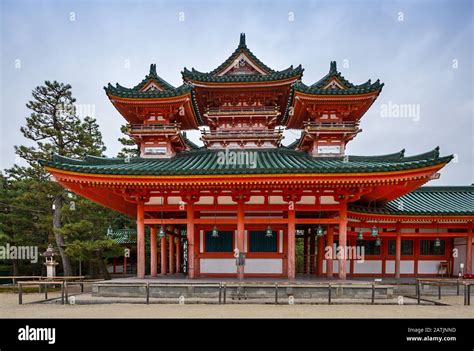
{"x":130,"y":147}
{"x":55,"y":128}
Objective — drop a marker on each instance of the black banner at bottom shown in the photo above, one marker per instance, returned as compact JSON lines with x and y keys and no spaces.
{"x":337,"y":334}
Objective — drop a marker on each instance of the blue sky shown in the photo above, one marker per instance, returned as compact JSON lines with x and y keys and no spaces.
{"x":421,"y":50}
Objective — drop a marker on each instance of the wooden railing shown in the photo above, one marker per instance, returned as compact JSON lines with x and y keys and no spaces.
{"x":331,"y":125}
{"x":243,"y":109}
{"x":136,"y":128}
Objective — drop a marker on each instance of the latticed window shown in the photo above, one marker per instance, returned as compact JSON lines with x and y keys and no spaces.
{"x":222,"y":243}
{"x":429,"y":248}
{"x":407,"y":247}
{"x":370,"y":247}
{"x":260,"y":242}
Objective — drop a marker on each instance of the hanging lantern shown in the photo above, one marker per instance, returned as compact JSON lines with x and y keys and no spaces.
{"x":110,"y":231}
{"x":361,"y":235}
{"x":374,"y":231}
{"x":161,"y":232}
{"x":269,"y":232}
{"x":215,"y":232}
{"x":319,"y":231}
{"x":378,"y":242}
{"x":437,"y":242}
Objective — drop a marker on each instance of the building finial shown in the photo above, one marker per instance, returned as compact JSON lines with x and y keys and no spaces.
{"x":333,"y":67}
{"x":153,"y":69}
{"x":242,"y":39}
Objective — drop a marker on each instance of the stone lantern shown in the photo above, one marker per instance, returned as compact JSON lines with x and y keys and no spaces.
{"x":50,"y":263}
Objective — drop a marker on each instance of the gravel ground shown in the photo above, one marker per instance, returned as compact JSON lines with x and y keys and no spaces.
{"x":9,"y":308}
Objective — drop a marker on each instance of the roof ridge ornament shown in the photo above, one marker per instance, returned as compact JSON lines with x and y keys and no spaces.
{"x":333,"y":67}
{"x":153,"y":70}
{"x":242,"y":40}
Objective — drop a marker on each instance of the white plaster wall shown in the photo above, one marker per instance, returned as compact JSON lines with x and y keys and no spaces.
{"x":264,"y":266}
{"x":307,"y":200}
{"x":368,"y":267}
{"x":406,"y":267}
{"x":428,"y":267}
{"x":335,"y":266}
{"x":327,"y":200}
{"x":218,"y":265}
{"x":252,"y":266}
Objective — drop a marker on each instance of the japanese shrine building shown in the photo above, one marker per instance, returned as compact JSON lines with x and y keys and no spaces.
{"x":245,"y":190}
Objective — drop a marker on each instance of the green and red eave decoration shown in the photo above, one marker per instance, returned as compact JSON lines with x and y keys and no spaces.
{"x":202,"y":161}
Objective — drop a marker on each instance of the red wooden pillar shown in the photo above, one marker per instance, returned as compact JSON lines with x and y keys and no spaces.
{"x":153,"y":252}
{"x":171,"y":251}
{"x":190,"y":236}
{"x":398,"y":252}
{"x":342,"y":239}
{"x":469,"y":250}
{"x":291,"y":244}
{"x":330,"y":243}
{"x":178,"y":254}
{"x":164,"y":265}
{"x":240,"y":235}
{"x":140,"y":241}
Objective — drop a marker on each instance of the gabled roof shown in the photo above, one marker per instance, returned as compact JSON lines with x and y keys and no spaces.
{"x":216,"y":76}
{"x":167,"y":90}
{"x":121,"y":91}
{"x":155,"y":78}
{"x":195,"y":75}
{"x":428,"y":200}
{"x":242,"y":48}
{"x":203,"y":161}
{"x":320,"y":87}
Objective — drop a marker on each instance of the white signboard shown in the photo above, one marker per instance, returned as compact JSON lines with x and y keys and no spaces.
{"x":329,"y":149}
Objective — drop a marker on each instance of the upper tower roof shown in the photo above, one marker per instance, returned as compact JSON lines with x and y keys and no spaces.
{"x":242,"y":66}
{"x":334,"y":83}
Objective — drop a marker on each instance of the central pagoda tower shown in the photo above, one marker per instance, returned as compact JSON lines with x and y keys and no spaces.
{"x":242,"y":101}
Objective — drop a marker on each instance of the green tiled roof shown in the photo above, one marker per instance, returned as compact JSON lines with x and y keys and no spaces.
{"x":213,"y":77}
{"x":153,"y":76}
{"x":121,"y":91}
{"x":428,"y":200}
{"x":318,"y":87}
{"x":242,"y":48}
{"x":124,"y":236}
{"x":207,"y":77}
{"x":269,"y":161}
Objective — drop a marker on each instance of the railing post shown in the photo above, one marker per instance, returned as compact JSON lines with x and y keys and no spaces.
{"x":147,"y":288}
{"x":225,"y":293}
{"x":373,"y":293}
{"x":276,"y":293}
{"x":418,"y":292}
{"x":469,"y":294}
{"x":20,"y":294}
{"x":329,"y":294}
{"x":220,"y":293}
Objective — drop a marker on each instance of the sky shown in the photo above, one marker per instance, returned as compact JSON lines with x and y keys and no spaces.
{"x":421,"y":50}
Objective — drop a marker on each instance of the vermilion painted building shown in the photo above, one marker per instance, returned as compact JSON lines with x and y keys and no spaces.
{"x":244,"y":190}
